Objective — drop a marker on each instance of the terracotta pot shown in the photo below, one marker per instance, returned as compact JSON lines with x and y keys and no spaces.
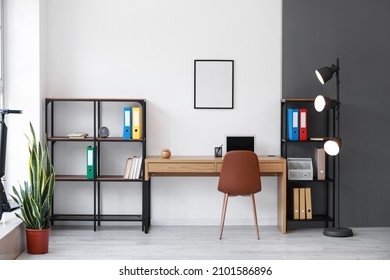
{"x":37,"y":240}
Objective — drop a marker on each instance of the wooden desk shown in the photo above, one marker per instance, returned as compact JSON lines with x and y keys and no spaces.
{"x":211,"y":166}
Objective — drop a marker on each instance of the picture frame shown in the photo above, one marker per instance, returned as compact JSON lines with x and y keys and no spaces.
{"x":213,"y":84}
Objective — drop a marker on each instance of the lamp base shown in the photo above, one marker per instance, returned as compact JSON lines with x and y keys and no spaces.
{"x":338,"y":232}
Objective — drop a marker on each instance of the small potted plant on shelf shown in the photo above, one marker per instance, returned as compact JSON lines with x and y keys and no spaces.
{"x":35,"y":197}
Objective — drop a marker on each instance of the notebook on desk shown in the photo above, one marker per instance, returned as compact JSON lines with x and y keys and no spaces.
{"x":246,"y":143}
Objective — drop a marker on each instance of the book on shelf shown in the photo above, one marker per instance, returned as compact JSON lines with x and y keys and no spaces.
{"x":293,"y":124}
{"x":303,"y":124}
{"x":133,"y":168}
{"x":77,"y":135}
{"x":296,"y":203}
{"x":317,"y":138}
{"x":127,"y":168}
{"x":320,"y":159}
{"x":302,"y":204}
{"x":309,"y":214}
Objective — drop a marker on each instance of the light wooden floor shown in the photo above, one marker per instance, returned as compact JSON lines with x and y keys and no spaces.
{"x":202,"y":243}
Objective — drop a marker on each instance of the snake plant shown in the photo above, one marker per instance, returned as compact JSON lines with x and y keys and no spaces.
{"x":35,"y":196}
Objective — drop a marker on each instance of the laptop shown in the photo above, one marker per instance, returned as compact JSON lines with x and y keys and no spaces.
{"x":246,"y":143}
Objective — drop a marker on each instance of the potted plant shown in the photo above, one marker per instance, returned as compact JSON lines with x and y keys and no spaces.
{"x":35,"y":197}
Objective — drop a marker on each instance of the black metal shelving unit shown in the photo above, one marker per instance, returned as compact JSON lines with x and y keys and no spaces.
{"x":52,"y":138}
{"x":319,"y":125}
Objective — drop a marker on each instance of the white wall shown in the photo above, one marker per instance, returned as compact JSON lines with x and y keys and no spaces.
{"x":146,"y":49}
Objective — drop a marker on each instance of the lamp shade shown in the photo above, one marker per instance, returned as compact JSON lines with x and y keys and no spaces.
{"x":320,"y":103}
{"x":332,"y":146}
{"x":323,"y":103}
{"x":325,"y":73}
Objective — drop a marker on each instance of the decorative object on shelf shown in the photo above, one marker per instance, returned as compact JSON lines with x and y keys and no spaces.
{"x":36,"y":196}
{"x":332,"y":146}
{"x":213,"y":84}
{"x":104,"y":132}
{"x":166,"y":154}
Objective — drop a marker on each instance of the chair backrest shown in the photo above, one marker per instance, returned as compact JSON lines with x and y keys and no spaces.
{"x":240,"y":173}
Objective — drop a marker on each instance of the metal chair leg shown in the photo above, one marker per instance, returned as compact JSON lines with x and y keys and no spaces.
{"x":255,"y":215}
{"x":224,"y":206}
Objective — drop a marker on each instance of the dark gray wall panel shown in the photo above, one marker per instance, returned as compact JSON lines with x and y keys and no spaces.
{"x":315,"y":33}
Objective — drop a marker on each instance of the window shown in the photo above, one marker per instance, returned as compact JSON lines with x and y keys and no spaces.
{"x":1,"y":53}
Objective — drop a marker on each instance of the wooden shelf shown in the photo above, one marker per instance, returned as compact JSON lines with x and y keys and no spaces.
{"x":115,"y":178}
{"x":72,"y":178}
{"x":48,"y":100}
{"x":118,"y":139}
{"x":65,"y":138}
{"x":101,"y":178}
{"x":298,"y":100}
{"x":306,"y":141}
{"x":91,"y":139}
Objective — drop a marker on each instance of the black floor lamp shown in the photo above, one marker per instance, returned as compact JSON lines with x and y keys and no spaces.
{"x":333,"y":145}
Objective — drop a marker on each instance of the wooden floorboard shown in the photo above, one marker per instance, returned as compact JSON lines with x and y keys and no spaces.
{"x":202,"y":243}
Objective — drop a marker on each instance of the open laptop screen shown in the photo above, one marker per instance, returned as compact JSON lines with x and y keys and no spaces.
{"x":240,"y":143}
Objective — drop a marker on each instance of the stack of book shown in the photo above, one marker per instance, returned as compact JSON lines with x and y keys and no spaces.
{"x":133,"y":168}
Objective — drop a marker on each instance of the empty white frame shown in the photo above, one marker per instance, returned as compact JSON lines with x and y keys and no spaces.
{"x":213,"y":84}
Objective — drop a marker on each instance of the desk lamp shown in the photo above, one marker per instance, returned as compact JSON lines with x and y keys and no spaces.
{"x":333,"y":145}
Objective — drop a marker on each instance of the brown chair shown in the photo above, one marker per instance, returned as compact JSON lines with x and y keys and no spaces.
{"x":240,"y":176}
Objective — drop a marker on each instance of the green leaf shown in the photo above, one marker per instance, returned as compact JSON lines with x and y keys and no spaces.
{"x":35,"y":197}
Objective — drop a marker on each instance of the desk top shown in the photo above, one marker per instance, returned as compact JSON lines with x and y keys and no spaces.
{"x":206,"y":158}
{"x":205,"y":166}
